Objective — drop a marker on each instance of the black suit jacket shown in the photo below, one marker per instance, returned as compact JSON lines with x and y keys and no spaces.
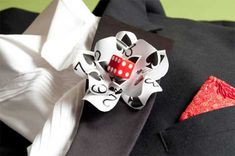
{"x":190,"y":64}
{"x":15,"y":21}
{"x":200,"y":50}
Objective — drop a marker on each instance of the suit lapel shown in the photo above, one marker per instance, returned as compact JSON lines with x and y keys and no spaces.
{"x":114,"y":132}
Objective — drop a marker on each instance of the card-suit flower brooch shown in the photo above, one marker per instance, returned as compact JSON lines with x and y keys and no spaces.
{"x":121,"y":66}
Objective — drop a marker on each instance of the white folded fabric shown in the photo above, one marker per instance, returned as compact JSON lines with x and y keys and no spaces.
{"x":59,"y":130}
{"x":64,"y":23}
{"x":36,"y":76}
{"x":28,"y":85}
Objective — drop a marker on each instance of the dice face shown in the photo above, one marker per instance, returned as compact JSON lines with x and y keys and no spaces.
{"x":120,"y":67}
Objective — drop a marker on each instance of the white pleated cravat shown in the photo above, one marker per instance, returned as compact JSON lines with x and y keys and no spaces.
{"x":60,"y":128}
{"x":37,"y":84}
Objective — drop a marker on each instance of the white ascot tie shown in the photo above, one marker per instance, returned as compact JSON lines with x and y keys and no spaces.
{"x":37,"y":83}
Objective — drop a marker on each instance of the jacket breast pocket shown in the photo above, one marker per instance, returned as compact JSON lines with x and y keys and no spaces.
{"x":211,"y":133}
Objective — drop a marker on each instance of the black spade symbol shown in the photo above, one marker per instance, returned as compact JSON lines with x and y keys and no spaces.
{"x":89,"y":59}
{"x":135,"y":102}
{"x":133,"y":59}
{"x":95,"y":75}
{"x":118,"y":47}
{"x":152,"y":60}
{"x":126,"y":40}
{"x":104,"y":65}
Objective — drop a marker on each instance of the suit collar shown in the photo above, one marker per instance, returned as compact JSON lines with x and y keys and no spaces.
{"x":135,"y":13}
{"x":109,"y":26}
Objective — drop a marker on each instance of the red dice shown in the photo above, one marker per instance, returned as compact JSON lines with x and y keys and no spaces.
{"x":120,"y":67}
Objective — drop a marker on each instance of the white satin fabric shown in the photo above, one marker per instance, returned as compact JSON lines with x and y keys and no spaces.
{"x":37,"y":83}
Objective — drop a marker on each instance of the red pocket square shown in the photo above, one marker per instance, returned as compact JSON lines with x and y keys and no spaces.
{"x":214,"y":94}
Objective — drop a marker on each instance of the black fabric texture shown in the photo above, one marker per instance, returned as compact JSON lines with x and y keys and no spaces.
{"x":128,"y":13}
{"x":12,"y":143}
{"x":15,"y":21}
{"x":223,"y":23}
{"x":200,"y":49}
{"x":153,"y":6}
